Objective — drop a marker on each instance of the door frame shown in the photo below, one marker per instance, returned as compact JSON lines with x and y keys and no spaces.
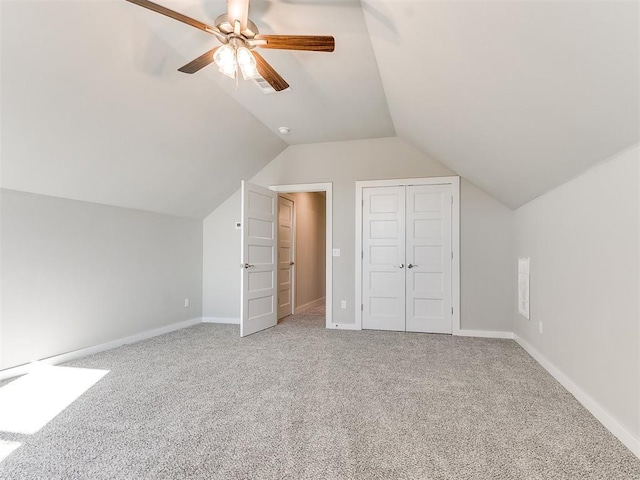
{"x":454,"y":181}
{"x":328,"y":189}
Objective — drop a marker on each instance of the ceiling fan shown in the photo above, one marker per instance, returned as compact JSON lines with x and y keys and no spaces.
{"x":239,"y":37}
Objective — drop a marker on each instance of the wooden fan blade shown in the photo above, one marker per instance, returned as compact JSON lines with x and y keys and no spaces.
{"x":315,"y":43}
{"x":176,"y":16}
{"x":267,"y":72}
{"x":238,"y":10}
{"x":199,"y":63}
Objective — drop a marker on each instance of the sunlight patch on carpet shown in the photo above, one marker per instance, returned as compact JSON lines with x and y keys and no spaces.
{"x":30,"y":402}
{"x":7,"y":447}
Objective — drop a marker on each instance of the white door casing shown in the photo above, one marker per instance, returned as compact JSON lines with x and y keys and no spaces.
{"x":383,"y":263}
{"x":259,"y":241}
{"x":428,"y":257}
{"x":285,"y":257}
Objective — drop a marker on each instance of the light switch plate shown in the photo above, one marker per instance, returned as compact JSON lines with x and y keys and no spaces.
{"x":336,"y":252}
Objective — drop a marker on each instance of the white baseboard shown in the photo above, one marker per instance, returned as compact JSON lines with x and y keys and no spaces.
{"x":232,"y":320}
{"x":319,"y":301}
{"x":76,"y":354}
{"x":484,"y":334}
{"x":602,"y":415}
{"x":343,"y":326}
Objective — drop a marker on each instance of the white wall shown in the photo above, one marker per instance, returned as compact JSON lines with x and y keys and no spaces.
{"x":310,"y":250}
{"x":486,"y":227}
{"x":583,"y":241}
{"x":487,"y":276}
{"x":221,"y":262}
{"x":77,"y":274}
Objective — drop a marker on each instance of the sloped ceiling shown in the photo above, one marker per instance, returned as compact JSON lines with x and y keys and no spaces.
{"x":516,"y":96}
{"x":93,"y":107}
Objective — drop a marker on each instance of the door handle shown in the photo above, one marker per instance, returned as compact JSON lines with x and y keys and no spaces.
{"x":400,"y":266}
{"x":292,"y":263}
{"x":247,"y":265}
{"x":411,"y":265}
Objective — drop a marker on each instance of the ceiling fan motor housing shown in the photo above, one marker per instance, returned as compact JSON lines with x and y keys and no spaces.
{"x":225,"y":26}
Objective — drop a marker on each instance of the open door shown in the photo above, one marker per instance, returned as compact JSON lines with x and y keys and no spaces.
{"x":285,"y":257}
{"x":258,"y":303}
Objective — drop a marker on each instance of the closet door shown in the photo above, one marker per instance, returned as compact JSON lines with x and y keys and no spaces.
{"x":383,"y":252}
{"x":428,"y":258}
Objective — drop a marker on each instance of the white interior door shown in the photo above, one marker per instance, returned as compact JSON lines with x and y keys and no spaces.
{"x":259,"y":240}
{"x":429,"y":258}
{"x":285,"y":257}
{"x":383,"y":253}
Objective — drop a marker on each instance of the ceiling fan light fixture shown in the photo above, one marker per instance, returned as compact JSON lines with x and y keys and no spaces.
{"x":229,"y":71}
{"x":247,"y":63}
{"x":225,"y":59}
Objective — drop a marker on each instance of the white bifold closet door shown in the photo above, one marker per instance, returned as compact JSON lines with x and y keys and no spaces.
{"x":383,"y":282}
{"x":407,"y":259}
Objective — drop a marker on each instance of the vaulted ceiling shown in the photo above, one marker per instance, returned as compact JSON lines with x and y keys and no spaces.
{"x":516,"y":96}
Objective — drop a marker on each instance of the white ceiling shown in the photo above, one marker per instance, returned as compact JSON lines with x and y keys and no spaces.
{"x":92,"y":109}
{"x":334,"y":96}
{"x":516,"y":96}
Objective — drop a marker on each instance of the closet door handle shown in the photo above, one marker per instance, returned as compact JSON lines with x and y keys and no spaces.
{"x":292,"y":263}
{"x":247,"y":265}
{"x":400,"y":266}
{"x":411,"y":265}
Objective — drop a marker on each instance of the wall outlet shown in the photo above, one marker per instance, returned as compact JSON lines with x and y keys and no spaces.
{"x":540,"y":327}
{"x":238,"y":225}
{"x":343,"y":304}
{"x":187,"y":302}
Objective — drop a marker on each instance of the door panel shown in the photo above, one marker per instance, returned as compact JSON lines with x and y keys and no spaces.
{"x":383,"y":283}
{"x":258,"y":302}
{"x":428,"y":241}
{"x":285,"y":257}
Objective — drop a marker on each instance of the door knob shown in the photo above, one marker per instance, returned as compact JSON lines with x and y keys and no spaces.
{"x":411,"y":265}
{"x":400,"y":266}
{"x":247,"y":265}
{"x":292,"y":263}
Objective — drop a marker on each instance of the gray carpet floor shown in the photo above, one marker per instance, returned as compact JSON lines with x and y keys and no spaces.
{"x":302,"y":402}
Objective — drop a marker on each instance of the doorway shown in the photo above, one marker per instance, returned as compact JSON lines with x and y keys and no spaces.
{"x":303,"y":271}
{"x":301,"y":252}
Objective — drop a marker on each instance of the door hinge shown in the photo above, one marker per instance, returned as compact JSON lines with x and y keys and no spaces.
{"x":362,"y":254}
{"x":451,"y":200}
{"x":451,"y":254}
{"x":362,"y":307}
{"x":451,"y":310}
